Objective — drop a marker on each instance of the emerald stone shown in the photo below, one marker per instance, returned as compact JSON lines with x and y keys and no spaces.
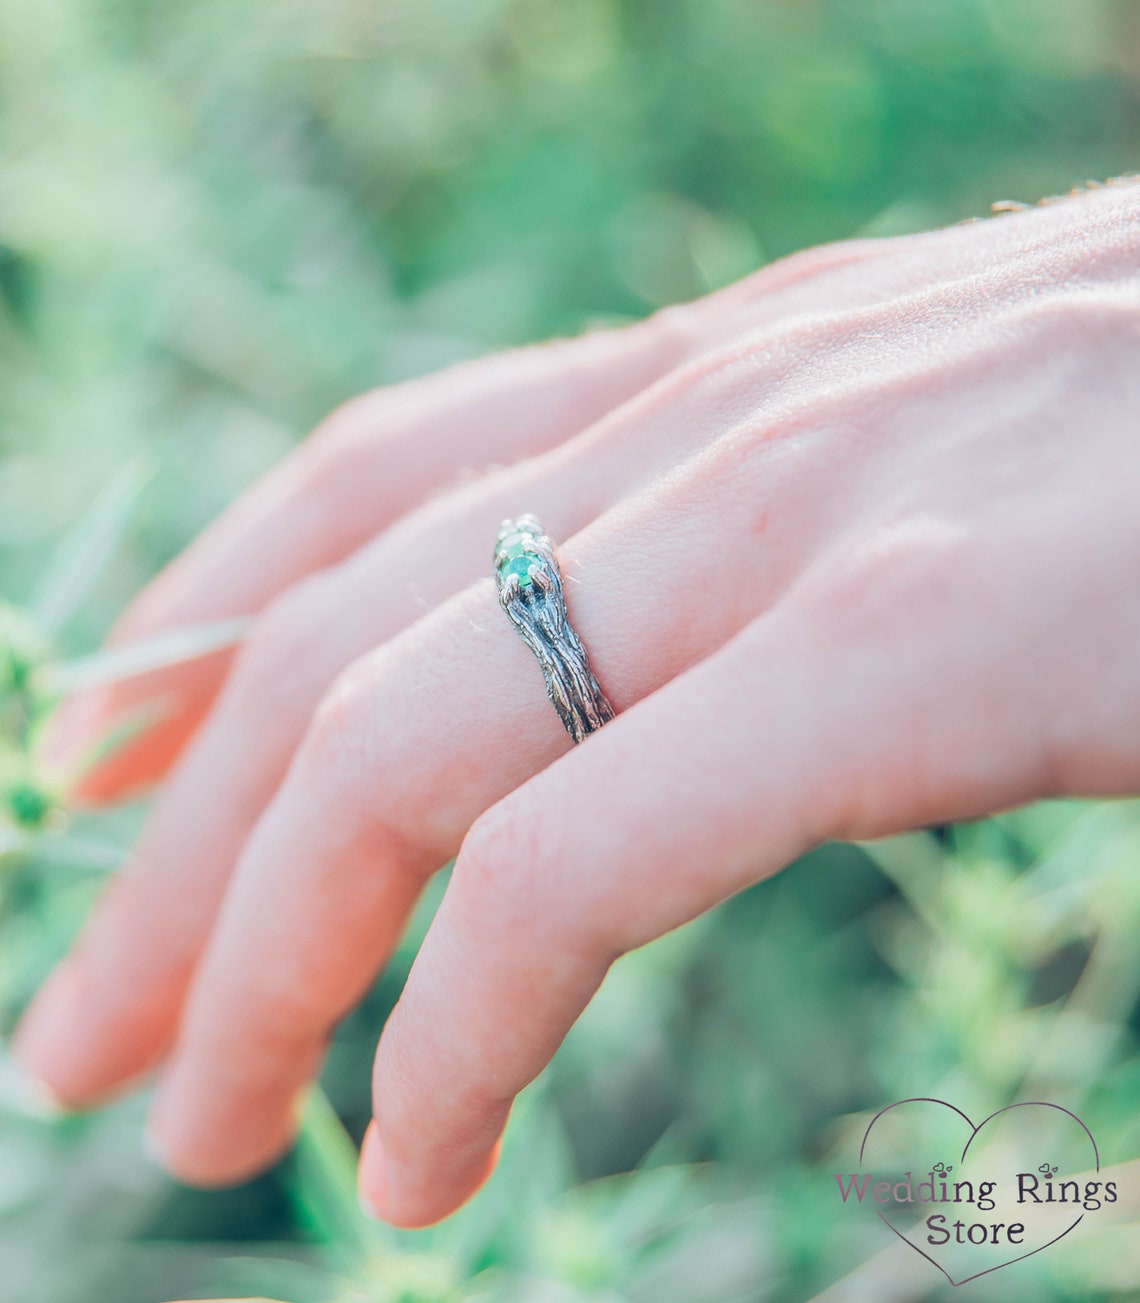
{"x":520,"y":565}
{"x":518,"y":555}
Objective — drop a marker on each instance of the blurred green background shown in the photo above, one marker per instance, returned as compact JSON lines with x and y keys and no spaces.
{"x":217,"y":220}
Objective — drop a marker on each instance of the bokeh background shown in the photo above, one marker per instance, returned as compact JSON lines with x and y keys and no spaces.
{"x":220,"y":218}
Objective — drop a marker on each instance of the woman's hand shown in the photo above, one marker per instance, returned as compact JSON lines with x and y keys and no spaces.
{"x":854,"y":547}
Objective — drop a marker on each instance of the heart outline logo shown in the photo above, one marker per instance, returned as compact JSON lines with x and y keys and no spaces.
{"x":974,"y":1130}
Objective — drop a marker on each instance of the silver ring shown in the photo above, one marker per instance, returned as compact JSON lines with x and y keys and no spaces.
{"x":530,"y":591}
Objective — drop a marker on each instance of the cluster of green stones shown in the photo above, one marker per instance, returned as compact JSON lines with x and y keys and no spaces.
{"x":516,"y":552}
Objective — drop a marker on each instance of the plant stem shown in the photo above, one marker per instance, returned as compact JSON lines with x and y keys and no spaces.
{"x":324,"y":1188}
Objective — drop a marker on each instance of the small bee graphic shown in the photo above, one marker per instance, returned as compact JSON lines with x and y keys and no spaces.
{"x":1046,"y":1170}
{"x":944,"y":1168}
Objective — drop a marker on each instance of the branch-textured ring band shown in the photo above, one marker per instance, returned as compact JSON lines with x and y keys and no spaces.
{"x":530,"y":591}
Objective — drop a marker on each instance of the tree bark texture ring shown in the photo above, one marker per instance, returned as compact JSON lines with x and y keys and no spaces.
{"x":530,"y":591}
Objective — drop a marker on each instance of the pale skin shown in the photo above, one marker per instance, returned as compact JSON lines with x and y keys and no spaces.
{"x":854,"y":547}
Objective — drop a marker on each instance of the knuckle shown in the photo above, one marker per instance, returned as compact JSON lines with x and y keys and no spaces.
{"x":358,"y":418}
{"x":677,"y":331}
{"x":283,"y":1017}
{"x":365,"y":746}
{"x":500,"y":863}
{"x":287,"y":636}
{"x":901,"y":574}
{"x":1098,"y":322}
{"x":808,"y":263}
{"x":708,"y":391}
{"x":337,"y":750}
{"x":513,"y":875}
{"x":338,"y":464}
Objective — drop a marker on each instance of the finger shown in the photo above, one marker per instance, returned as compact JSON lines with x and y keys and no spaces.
{"x":422,"y":736}
{"x":589,"y":858}
{"x":372,"y":461}
{"x":804,"y":727}
{"x":110,"y":1010}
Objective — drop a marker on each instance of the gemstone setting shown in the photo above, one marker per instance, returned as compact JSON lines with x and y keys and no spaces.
{"x":517,"y":553}
{"x":520,"y":565}
{"x":529,"y":580}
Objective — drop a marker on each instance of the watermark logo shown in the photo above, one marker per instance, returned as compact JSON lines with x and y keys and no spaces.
{"x":972,"y":1198}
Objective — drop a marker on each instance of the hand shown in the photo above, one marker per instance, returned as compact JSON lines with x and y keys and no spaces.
{"x":853,"y":546}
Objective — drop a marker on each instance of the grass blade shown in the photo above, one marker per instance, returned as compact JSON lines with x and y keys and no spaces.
{"x":86,"y":549}
{"x":113,"y":664}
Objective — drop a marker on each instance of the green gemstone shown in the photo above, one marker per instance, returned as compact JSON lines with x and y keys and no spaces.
{"x":520,"y":565}
{"x":518,"y":555}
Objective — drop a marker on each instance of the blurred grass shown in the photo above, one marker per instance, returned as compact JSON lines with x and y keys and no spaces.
{"x":219,"y":219}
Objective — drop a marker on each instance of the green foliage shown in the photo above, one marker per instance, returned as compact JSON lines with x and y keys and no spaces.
{"x":218,"y":220}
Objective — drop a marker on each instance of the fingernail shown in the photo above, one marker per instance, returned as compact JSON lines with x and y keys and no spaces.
{"x":372,"y":1180}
